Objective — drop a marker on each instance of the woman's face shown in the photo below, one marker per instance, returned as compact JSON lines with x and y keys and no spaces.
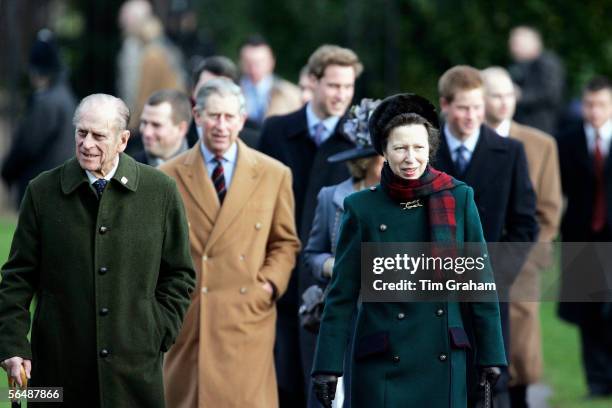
{"x":407,"y":151}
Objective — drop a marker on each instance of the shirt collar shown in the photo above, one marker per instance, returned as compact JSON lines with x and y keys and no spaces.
{"x":313,"y":120}
{"x":229,"y":156}
{"x":454,"y":142}
{"x":158,"y":161}
{"x":605,"y":131}
{"x":504,"y":128}
{"x":92,"y":178}
{"x":262,"y":87}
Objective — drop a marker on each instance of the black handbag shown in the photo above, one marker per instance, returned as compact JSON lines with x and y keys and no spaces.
{"x":311,"y":309}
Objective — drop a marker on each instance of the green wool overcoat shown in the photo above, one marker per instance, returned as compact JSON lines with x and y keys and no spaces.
{"x":410,"y":354}
{"x":113,"y":280}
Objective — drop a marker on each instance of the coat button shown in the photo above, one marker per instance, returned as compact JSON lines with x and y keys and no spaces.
{"x":242,"y":257}
{"x":373,"y":188}
{"x":396,"y":359}
{"x":103,"y":270}
{"x":103,"y":229}
{"x":104,"y":311}
{"x":383,"y":227}
{"x":442,"y":357}
{"x":104,"y":353}
{"x":205,"y":258}
{"x":243,"y":290}
{"x":204,"y":290}
{"x":400,"y":316}
{"x":258,"y":226}
{"x":439,"y":312}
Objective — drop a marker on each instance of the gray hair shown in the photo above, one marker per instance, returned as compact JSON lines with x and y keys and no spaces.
{"x":122,"y":116}
{"x":221,"y":87}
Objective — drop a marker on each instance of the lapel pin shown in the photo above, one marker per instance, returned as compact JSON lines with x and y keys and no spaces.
{"x":124,"y":180}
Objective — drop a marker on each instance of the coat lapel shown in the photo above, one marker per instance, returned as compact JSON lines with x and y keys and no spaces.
{"x":244,"y":181}
{"x":194,"y":174}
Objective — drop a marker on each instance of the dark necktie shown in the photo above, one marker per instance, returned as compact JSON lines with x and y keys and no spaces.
{"x":461,"y":162}
{"x":218,"y":179}
{"x":599,"y":198}
{"x":99,"y":185}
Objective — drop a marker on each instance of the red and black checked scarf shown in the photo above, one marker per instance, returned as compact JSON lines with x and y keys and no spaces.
{"x":433,"y":188}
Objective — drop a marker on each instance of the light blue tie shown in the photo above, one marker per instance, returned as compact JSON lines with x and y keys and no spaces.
{"x":319,"y":130}
{"x":461,"y":161}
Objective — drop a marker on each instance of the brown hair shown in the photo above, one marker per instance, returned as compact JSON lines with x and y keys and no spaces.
{"x":178,"y":101}
{"x":433,"y":134}
{"x":327,"y":55}
{"x":459,"y":78}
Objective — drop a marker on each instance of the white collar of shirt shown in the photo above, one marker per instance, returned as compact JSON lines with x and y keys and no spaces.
{"x":228,"y":157}
{"x":606,"y":135}
{"x":504,"y":128}
{"x":92,"y":178}
{"x":454,"y":142}
{"x":313,"y":120}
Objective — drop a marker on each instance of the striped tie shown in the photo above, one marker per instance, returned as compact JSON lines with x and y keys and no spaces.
{"x":219,"y":179}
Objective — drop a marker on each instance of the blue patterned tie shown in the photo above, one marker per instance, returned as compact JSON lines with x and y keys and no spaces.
{"x":99,"y":185}
{"x":318,"y":133}
{"x":461,"y":162}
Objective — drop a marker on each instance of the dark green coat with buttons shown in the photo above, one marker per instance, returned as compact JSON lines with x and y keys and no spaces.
{"x":405,"y":354}
{"x":113,"y":281}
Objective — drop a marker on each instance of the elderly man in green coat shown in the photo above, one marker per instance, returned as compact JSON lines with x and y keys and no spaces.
{"x":102,"y":242}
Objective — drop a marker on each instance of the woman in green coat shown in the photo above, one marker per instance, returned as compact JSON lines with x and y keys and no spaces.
{"x":408,"y":354}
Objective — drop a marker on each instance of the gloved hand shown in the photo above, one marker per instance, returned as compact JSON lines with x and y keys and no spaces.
{"x":325,"y":388}
{"x":491,"y":374}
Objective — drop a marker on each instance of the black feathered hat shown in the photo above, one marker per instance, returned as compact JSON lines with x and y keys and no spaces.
{"x":355,"y":128}
{"x":396,"y":105}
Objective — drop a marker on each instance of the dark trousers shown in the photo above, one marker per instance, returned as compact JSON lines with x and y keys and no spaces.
{"x":596,"y":342}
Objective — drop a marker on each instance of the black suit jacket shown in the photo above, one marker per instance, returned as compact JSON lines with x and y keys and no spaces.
{"x":141,"y":157}
{"x":578,"y":182}
{"x":503,"y":192}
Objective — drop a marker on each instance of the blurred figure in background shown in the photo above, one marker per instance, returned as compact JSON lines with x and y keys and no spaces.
{"x":543,"y":165}
{"x":305,"y":84}
{"x":161,"y":66}
{"x":132,"y":14}
{"x":164,"y":123}
{"x":217,"y":66}
{"x":587,"y":181}
{"x":44,"y":138}
{"x":266,"y":94}
{"x":540,"y":77}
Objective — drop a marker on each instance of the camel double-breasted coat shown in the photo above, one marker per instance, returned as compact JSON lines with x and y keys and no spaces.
{"x":223,"y":356}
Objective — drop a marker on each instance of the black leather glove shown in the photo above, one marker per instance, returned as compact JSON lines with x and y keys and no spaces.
{"x":325,"y":388}
{"x":490,"y":374}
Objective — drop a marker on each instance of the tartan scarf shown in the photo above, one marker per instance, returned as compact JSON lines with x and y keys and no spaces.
{"x":433,"y":188}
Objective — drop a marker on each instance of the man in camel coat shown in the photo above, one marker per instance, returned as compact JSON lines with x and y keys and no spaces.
{"x":240,"y":209}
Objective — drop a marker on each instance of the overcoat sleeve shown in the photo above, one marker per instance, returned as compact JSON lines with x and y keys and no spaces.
{"x":485,"y":315}
{"x":176,"y":275}
{"x":283,"y":243}
{"x":20,"y":276}
{"x":549,"y":195}
{"x":318,"y":248}
{"x":345,"y":284}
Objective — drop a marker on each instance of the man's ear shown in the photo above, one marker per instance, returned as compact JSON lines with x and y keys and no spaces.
{"x":124,"y":136}
{"x":183,"y":127}
{"x":197,"y":117}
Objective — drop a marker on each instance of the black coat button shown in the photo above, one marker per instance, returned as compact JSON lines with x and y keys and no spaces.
{"x":396,"y":359}
{"x":104,"y":353}
{"x":103,"y":270}
{"x":400,"y":316}
{"x":439,"y":312}
{"x":103,"y":229}
{"x":442,"y":357}
{"x":103,"y":311}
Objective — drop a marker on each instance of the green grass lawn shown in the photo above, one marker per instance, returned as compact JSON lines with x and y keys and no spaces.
{"x":562,"y":368}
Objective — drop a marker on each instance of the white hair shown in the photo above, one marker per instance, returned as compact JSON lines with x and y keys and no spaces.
{"x":221,"y":87}
{"x":122,"y":116}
